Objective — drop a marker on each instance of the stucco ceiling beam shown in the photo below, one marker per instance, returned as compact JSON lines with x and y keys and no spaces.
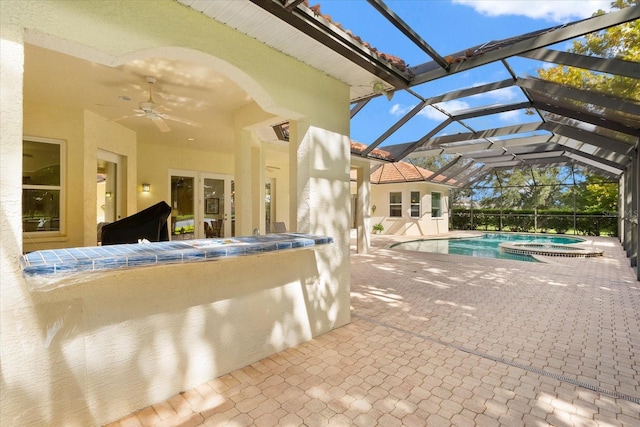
{"x":614,"y":66}
{"x":528,"y":42}
{"x":392,"y":17}
{"x":337,"y":40}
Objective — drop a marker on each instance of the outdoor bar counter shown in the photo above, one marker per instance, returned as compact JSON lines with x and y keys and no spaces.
{"x":129,"y":325}
{"x":48,"y":269}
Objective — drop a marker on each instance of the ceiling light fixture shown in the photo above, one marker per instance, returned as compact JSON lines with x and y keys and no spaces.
{"x":379,"y":88}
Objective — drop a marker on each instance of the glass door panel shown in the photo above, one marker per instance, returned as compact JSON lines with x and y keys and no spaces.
{"x":107,"y":191}
{"x":182,"y":207}
{"x":217,"y":206}
{"x":214,"y":207}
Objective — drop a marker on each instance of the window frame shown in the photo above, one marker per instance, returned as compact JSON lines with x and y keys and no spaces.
{"x":61,"y":188}
{"x":414,"y":204}
{"x":436,"y":209}
{"x":393,"y":206}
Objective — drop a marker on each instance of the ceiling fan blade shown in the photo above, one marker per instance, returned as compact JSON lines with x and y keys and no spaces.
{"x":164,"y":127}
{"x":117,"y":119}
{"x":181,"y":120}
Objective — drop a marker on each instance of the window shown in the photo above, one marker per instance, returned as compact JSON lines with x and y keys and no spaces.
{"x":395,"y":204}
{"x":436,"y":205}
{"x":415,"y":204}
{"x":42,"y":194}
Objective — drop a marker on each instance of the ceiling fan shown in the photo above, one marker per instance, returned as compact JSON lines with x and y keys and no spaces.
{"x":150,"y":110}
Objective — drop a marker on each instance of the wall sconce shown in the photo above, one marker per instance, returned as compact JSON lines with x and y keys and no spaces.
{"x":146,"y":188}
{"x":107,"y":194}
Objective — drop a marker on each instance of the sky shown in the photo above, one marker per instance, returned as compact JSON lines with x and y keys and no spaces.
{"x":450,"y":26}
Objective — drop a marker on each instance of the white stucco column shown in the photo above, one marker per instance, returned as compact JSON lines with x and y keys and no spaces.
{"x":11,"y":102}
{"x":243,"y":177}
{"x":363,"y":207}
{"x":323,"y":203}
{"x":257,"y":188}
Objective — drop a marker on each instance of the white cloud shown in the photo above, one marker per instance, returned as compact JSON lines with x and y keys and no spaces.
{"x":504,"y":95}
{"x":432,"y":114}
{"x":561,"y":11}
{"x":508,"y":115}
{"x":400,"y":110}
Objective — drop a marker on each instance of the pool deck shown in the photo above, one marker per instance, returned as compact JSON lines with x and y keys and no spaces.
{"x":444,"y":340}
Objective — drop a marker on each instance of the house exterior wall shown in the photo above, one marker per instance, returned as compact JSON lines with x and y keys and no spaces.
{"x":91,"y":352}
{"x":406,"y":225}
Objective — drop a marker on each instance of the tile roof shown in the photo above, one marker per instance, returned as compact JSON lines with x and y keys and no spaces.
{"x":402,"y":172}
{"x":392,"y":60}
{"x":358,"y":147}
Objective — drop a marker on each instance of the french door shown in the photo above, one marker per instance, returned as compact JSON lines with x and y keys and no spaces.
{"x":202,"y":205}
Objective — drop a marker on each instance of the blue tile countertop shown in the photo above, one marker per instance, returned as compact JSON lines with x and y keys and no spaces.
{"x":43,"y":268}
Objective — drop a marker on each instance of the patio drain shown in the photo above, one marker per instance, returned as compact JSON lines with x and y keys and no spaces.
{"x":562,"y":378}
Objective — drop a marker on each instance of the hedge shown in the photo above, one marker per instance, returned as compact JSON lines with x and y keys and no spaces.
{"x":591,"y":223}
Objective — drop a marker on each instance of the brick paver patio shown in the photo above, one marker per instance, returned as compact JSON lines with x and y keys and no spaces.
{"x":438,"y":340}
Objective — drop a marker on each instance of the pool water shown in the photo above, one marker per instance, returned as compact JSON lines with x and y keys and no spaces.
{"x":485,"y":246}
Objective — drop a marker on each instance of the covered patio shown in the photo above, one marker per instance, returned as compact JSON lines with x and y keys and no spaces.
{"x":260,"y":96}
{"x":448,"y":340}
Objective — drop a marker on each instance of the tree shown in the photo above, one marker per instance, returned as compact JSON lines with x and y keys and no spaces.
{"x":597,"y":194}
{"x":524,"y":188}
{"x":621,"y":41}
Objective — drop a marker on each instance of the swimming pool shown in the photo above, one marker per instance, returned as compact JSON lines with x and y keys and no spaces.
{"x":485,"y":246}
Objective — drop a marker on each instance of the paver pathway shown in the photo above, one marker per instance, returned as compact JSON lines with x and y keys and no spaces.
{"x":438,"y":340}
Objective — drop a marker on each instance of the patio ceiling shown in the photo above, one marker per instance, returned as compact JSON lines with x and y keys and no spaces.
{"x":567,"y":126}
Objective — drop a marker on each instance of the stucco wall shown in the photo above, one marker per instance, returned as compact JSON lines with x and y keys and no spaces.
{"x":120,"y":341}
{"x":82,"y":133}
{"x":406,"y":225}
{"x":92,"y":352}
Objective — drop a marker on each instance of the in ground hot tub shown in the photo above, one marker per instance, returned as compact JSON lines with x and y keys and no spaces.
{"x":550,"y":249}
